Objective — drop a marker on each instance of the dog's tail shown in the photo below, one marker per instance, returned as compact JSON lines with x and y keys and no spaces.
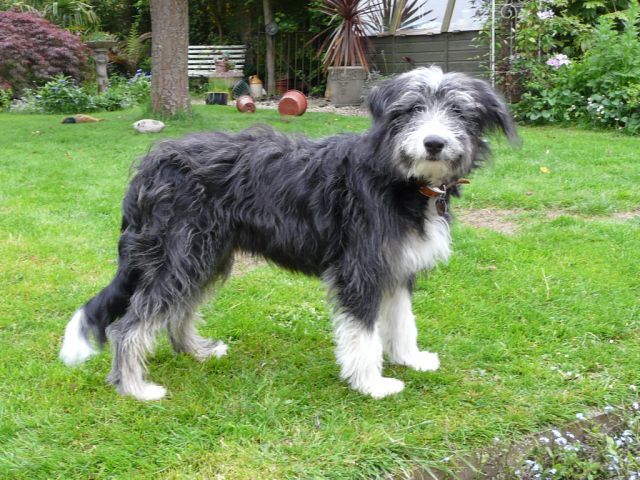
{"x":96,"y":315}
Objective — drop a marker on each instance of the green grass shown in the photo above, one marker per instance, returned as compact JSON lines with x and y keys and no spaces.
{"x":510,"y":316}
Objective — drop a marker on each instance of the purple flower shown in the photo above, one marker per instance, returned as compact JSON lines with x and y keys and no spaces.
{"x":558,"y":60}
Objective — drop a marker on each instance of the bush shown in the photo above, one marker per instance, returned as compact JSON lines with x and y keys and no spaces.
{"x":64,"y":95}
{"x":5,"y":98}
{"x":602,"y":88}
{"x":33,"y":51}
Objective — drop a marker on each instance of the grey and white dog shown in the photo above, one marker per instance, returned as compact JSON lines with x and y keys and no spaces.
{"x":365,"y":212}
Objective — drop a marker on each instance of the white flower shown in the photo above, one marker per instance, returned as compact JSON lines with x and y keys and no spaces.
{"x":609,"y":408}
{"x":556,"y":433}
{"x":558,"y":60}
{"x":580,"y":416}
{"x":544,"y":440}
{"x":545,"y":14}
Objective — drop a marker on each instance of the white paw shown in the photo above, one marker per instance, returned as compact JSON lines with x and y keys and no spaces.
{"x":216,"y":349}
{"x":422,"y":361}
{"x":220,"y":350}
{"x":382,"y":387}
{"x":149,"y":392}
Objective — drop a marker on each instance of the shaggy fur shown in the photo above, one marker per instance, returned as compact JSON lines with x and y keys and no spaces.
{"x":346,"y":208}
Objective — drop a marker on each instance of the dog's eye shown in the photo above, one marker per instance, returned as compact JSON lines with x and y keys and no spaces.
{"x":456,"y":109}
{"x":416,"y":109}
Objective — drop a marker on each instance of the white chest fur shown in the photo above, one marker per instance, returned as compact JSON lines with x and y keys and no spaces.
{"x":423,"y":252}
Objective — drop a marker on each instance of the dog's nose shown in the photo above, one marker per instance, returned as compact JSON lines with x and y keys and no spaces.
{"x":434,"y":144}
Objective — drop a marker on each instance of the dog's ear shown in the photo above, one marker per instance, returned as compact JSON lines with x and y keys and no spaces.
{"x":494,"y":111}
{"x":379,"y":99}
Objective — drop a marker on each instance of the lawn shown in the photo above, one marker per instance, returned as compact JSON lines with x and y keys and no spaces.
{"x":532,"y":327}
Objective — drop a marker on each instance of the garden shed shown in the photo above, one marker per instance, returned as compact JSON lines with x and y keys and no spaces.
{"x":444,"y":35}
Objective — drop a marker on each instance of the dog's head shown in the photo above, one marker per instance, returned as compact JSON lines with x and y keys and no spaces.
{"x":432,"y":123}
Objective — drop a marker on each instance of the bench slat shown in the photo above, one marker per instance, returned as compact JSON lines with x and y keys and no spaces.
{"x":202,"y":58}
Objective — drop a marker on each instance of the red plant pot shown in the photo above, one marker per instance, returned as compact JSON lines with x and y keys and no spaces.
{"x":293,"y":103}
{"x":281,"y":85}
{"x":245,"y":104}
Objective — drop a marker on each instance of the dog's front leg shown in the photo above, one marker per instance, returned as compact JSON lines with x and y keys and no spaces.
{"x":359,"y":354}
{"x":399,"y":334}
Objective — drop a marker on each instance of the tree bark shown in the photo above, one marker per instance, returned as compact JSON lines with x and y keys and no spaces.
{"x":170,"y":56}
{"x":270,"y":59}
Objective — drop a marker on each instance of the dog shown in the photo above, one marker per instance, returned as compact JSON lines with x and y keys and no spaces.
{"x":364,"y":212}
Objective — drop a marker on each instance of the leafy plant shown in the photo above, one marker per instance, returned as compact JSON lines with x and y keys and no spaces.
{"x":62,"y":95}
{"x":391,"y":15}
{"x":6,"y":95}
{"x":70,"y":14}
{"x":596,"y":454}
{"x":99,"y":36}
{"x":345,"y":43}
{"x":600,"y":87}
{"x":218,"y":85}
{"x":32,"y":51}
{"x":132,"y":50}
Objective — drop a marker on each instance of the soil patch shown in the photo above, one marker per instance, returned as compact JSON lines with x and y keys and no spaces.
{"x":244,"y":263}
{"x":498,"y":220}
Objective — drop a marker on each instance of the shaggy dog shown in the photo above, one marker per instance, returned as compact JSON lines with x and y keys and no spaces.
{"x":365,"y":212}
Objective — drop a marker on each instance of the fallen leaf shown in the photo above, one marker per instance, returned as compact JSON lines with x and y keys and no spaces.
{"x":545,"y":170}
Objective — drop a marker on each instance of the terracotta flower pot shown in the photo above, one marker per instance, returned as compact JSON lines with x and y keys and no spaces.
{"x":293,"y":103}
{"x":282,"y":84}
{"x":245,"y":104}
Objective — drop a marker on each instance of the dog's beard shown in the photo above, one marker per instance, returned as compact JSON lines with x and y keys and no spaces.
{"x":434,"y":172}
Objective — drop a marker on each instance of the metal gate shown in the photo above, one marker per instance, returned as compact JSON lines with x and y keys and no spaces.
{"x":297,"y":63}
{"x":504,"y":18}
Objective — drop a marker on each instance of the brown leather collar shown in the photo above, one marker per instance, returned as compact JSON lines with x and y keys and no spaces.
{"x":440,"y":194}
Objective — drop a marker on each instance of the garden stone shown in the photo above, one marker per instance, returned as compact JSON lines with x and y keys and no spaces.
{"x":148,"y":125}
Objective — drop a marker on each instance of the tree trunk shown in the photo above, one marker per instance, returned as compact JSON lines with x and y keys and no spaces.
{"x":169,"y":54}
{"x":271,"y":49}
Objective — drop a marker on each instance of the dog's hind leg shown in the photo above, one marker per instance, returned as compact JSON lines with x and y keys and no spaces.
{"x":185,"y":338}
{"x":397,"y":327}
{"x":132,"y":337}
{"x":181,"y":325}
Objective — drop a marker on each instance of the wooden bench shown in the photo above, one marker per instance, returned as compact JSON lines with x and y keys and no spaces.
{"x":202,"y":59}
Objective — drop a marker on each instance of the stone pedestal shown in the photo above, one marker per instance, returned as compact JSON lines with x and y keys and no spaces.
{"x":100,"y":54}
{"x":345,"y":85}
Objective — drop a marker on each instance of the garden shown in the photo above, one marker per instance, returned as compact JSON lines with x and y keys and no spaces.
{"x":536,"y":316}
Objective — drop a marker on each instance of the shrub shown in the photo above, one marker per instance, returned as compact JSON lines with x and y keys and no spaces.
{"x":33,"y":51}
{"x":62,"y":95}
{"x":6,"y":94}
{"x":602,"y":88}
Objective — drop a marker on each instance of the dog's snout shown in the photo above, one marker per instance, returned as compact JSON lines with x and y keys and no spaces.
{"x":434,"y":144}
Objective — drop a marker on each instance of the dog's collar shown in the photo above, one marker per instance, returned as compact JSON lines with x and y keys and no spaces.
{"x":440,"y":194}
